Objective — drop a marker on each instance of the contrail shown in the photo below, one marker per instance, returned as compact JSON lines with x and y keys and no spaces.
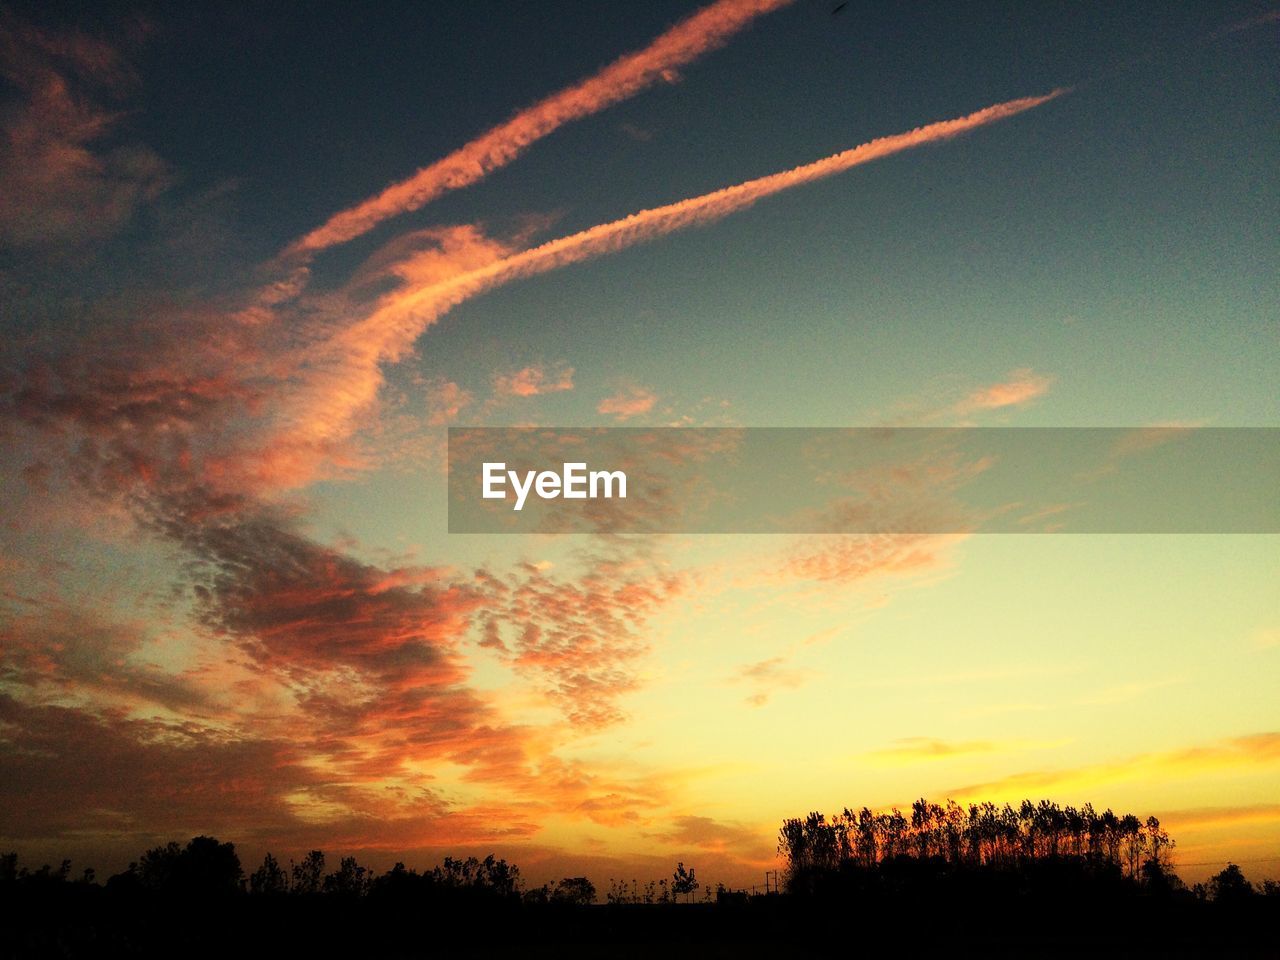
{"x":704,"y":31}
{"x":343,"y":377}
{"x":392,"y":325}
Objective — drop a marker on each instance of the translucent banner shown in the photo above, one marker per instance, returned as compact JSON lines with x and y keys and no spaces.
{"x":864,"y":480}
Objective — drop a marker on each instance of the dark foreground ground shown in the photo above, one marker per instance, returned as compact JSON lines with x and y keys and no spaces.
{"x":89,"y":921}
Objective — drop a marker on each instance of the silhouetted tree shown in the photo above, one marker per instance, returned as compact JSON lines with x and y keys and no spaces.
{"x":488,"y":877}
{"x":269,"y":878}
{"x":1158,"y":879}
{"x":349,"y":880}
{"x":684,"y":882}
{"x":398,"y":883}
{"x":1229,"y":885}
{"x":574,"y":890}
{"x":157,"y":868}
{"x":538,"y":896}
{"x":308,"y":876}
{"x":204,"y":867}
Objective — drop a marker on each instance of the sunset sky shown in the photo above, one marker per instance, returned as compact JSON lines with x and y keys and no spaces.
{"x":255,"y":261}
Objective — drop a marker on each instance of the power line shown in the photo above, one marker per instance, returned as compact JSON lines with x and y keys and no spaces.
{"x":1214,"y":863}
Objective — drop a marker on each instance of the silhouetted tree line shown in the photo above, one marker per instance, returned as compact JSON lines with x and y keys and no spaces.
{"x":978,"y":835}
{"x":196,"y":899}
{"x":1025,"y":878}
{"x":207,"y":868}
{"x":984,"y":877}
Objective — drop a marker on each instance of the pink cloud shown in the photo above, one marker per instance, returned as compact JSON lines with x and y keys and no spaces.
{"x":579,"y":637}
{"x":685,"y":42}
{"x":345,"y":374}
{"x":630,"y":401}
{"x":853,"y":557}
{"x":338,"y":371}
{"x":445,"y":400}
{"x":533,"y":380}
{"x":1018,"y":390}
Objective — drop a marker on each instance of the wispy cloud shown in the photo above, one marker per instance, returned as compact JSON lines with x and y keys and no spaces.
{"x":445,"y":400}
{"x":59,"y":183}
{"x":1126,"y":692}
{"x":343,"y":374}
{"x":533,"y":380}
{"x":630,"y":401}
{"x":947,"y":403}
{"x":427,"y":302}
{"x":1134,"y":443}
{"x":931,"y":748}
{"x":579,"y":638}
{"x":1261,"y":20}
{"x":1201,"y":818}
{"x":845,"y":558}
{"x":1021,"y":387}
{"x":914,"y":750}
{"x":748,"y":843}
{"x":1261,"y":750}
{"x":688,"y":40}
{"x":1266,"y":639}
{"x":769,"y":676}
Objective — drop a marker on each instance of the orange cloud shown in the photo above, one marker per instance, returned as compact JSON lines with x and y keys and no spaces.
{"x":428,"y":256}
{"x":533,"y":381}
{"x":1021,"y":388}
{"x":849,"y":557}
{"x":688,"y":40}
{"x":749,"y":844}
{"x":580,"y":639}
{"x":370,"y":694}
{"x":931,"y":748}
{"x":1252,"y":750}
{"x":410,"y":311}
{"x":339,"y":376}
{"x":631,"y":401}
{"x":445,"y":400}
{"x":1202,"y":818}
